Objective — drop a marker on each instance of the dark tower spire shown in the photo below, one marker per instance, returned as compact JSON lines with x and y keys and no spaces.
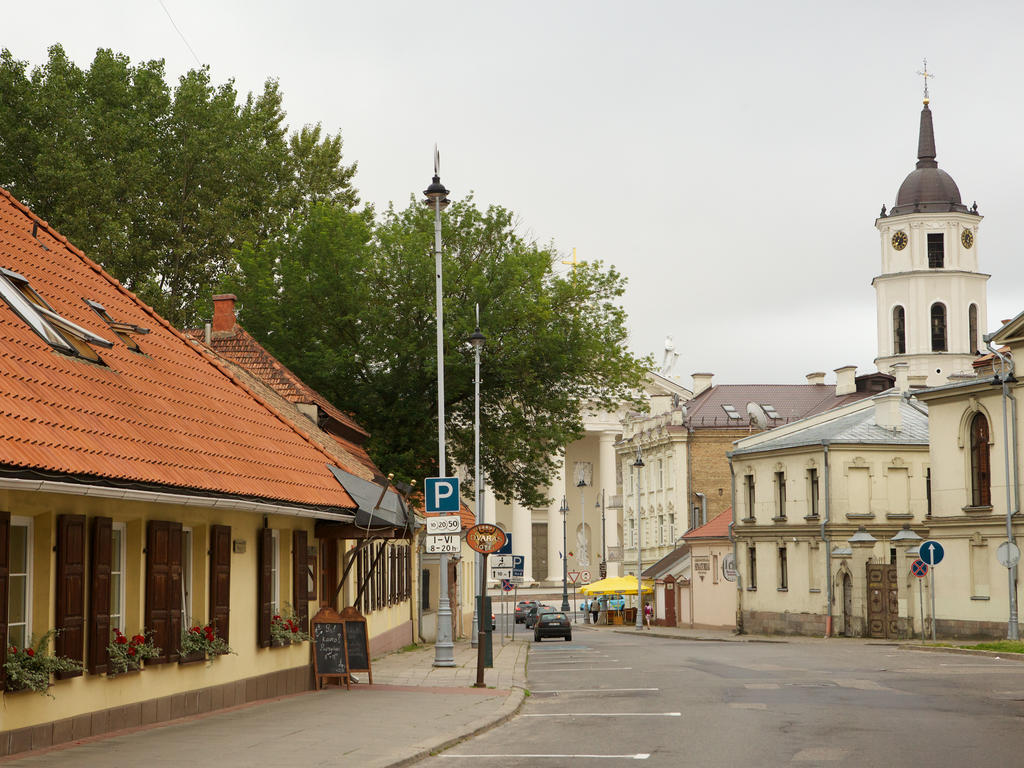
{"x":926,"y":140}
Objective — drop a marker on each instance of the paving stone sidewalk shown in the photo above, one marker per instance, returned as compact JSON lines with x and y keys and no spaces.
{"x":411,"y":710}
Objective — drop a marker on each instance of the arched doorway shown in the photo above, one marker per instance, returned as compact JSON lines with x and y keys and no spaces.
{"x":847,"y":605}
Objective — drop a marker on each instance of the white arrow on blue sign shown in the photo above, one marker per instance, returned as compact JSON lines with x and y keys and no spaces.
{"x":931,"y":553}
{"x":441,"y":494}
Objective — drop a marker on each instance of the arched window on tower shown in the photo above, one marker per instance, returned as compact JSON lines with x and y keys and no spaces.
{"x":938,"y":327}
{"x":981,"y":488}
{"x":899,"y":331}
{"x":972,"y":329}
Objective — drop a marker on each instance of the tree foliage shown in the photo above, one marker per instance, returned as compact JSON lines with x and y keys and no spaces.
{"x":349,"y":304}
{"x":159,"y":184}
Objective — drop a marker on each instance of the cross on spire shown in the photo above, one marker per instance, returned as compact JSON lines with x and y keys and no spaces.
{"x":572,"y":263}
{"x":925,"y":74}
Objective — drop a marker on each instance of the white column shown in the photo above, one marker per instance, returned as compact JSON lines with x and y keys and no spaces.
{"x":555,"y":525}
{"x":606,"y":464}
{"x":522,"y":538}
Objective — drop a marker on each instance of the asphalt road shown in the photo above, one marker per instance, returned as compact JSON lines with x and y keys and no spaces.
{"x":608,"y":699}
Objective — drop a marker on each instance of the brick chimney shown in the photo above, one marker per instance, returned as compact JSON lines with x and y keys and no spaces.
{"x":224,"y":312}
{"x":701,"y":381}
{"x":818,"y":377}
{"x":902,"y":373}
{"x":846,"y":380}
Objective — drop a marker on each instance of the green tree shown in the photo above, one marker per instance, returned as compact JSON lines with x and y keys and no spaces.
{"x":159,"y":184}
{"x":349,"y":305}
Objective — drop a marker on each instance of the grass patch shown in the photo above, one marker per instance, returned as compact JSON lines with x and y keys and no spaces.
{"x":1003,"y":646}
{"x":409,"y":647}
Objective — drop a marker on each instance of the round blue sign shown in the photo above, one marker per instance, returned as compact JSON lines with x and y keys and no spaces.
{"x":919,"y":569}
{"x":507,"y":585}
{"x":931,"y":553}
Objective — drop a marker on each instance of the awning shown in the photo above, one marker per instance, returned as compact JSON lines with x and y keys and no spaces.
{"x":623,"y":585}
{"x":374,"y":510}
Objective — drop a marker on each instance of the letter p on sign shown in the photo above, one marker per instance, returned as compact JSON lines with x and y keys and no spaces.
{"x":441,"y":494}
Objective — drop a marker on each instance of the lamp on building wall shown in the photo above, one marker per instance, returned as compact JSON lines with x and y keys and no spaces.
{"x":476,"y":340}
{"x":639,"y":465}
{"x":565,"y":557}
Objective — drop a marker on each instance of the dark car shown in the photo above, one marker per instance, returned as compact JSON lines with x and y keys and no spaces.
{"x":535,"y":613}
{"x":552,"y":624}
{"x":522,"y":608}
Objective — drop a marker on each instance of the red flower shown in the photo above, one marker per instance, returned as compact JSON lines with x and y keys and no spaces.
{"x":121,"y":639}
{"x":131,"y":651}
{"x":277,"y":618}
{"x":30,"y":652}
{"x":14,"y":649}
{"x":137,"y":639}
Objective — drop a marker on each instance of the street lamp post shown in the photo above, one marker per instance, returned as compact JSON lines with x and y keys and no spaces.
{"x":639,"y":464}
{"x":437,"y":197}
{"x":604,"y":566}
{"x":477,"y":340}
{"x":565,"y":559}
{"x":584,"y":555}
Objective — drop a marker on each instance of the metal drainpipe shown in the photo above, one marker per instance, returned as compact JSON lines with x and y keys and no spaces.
{"x":732,"y":538}
{"x":703,"y":507}
{"x":1012,"y":632}
{"x":689,"y":475}
{"x":824,"y":538}
{"x":420,"y":542}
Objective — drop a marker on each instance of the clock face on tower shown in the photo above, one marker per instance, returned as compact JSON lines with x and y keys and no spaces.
{"x":967,"y":238}
{"x":899,"y":240}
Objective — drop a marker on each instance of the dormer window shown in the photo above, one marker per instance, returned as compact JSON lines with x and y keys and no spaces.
{"x":936,"y":253}
{"x":57,"y":331}
{"x":731,"y":412}
{"x":123,"y":331}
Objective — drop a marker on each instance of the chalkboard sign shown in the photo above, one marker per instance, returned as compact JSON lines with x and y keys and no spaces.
{"x":329,"y":658}
{"x":357,"y":646}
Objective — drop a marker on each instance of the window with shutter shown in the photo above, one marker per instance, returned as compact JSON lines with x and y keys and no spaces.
{"x":5,"y":553}
{"x":300,"y":587}
{"x":70,"y":608}
{"x":220,"y":578}
{"x":163,"y":587}
{"x":100,"y":562}
{"x":265,"y":586}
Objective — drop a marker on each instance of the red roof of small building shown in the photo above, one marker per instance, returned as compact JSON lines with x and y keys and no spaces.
{"x":716,"y":528}
{"x":168,"y":415}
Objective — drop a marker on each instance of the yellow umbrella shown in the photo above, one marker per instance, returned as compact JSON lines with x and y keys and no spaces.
{"x":623,"y":585}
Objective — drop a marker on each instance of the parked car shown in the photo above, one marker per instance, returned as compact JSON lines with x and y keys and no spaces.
{"x":522,"y":608}
{"x":612,"y":602}
{"x":493,"y":624}
{"x":552,"y":624}
{"x":535,"y":613}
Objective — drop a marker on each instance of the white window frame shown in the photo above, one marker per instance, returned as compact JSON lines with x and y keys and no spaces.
{"x":186,"y":576}
{"x":26,"y":522}
{"x":117,"y":619}
{"x":275,"y":572}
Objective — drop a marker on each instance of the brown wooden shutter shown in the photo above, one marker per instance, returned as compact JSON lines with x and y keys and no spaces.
{"x":5,"y":562}
{"x":101,"y":557}
{"x":265,"y":586}
{"x":163,"y":587}
{"x":300,"y":589}
{"x":70,"y":609}
{"x":220,"y":578}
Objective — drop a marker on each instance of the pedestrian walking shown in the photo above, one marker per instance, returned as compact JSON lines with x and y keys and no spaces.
{"x":595,"y":607}
{"x":648,"y":613}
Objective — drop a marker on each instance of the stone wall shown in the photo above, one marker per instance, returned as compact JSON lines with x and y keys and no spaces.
{"x":772,"y":623}
{"x":711,"y":468}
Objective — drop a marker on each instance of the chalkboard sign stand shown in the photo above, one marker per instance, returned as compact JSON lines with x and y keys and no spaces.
{"x":329,"y":627}
{"x":357,"y":644}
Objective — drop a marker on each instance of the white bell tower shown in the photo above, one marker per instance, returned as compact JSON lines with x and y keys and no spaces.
{"x":931,"y":298}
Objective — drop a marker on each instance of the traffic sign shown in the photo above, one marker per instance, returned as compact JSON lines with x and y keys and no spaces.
{"x":501,"y":561}
{"x":506,"y":548}
{"x":501,"y":573}
{"x":444,"y":524}
{"x":518,"y":564}
{"x":931,"y":552}
{"x":919,"y":569}
{"x":507,"y":585}
{"x":1008,"y":554}
{"x":573,"y":576}
{"x":441,"y":494}
{"x":585,"y":577}
{"x":445,"y":545}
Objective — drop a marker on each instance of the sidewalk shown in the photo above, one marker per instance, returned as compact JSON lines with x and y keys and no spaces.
{"x":411,"y":710}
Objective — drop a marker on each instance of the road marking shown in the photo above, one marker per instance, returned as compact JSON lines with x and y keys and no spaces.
{"x":638,"y":756}
{"x":586,"y":669}
{"x":565,"y":661}
{"x":595,"y":690}
{"x":748,"y":705}
{"x":605,"y":714}
{"x":762,"y":686}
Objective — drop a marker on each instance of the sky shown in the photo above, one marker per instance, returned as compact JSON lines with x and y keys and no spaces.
{"x":728,"y":158}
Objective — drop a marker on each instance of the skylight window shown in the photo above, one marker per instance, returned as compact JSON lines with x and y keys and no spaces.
{"x":123,"y":331}
{"x":731,"y":412}
{"x":56,"y":330}
{"x":770,"y":410}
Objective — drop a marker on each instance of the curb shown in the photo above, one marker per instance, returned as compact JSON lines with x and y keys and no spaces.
{"x":698,"y":639}
{"x":1001,"y":655}
{"x":509,"y":709}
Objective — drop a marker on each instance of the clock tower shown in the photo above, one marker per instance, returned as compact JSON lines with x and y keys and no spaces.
{"x":931,"y":298}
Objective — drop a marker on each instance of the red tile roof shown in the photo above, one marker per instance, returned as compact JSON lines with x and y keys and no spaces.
{"x":171,"y":416}
{"x":790,"y":401}
{"x":716,"y":528}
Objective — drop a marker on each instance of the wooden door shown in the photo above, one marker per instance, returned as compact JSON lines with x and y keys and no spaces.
{"x":883,"y":606}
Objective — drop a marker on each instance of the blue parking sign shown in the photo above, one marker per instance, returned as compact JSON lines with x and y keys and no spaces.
{"x":441,"y":494}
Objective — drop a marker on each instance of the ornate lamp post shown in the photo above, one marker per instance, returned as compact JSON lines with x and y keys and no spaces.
{"x":599,"y":504}
{"x":565,"y":559}
{"x":437,"y":197}
{"x":639,"y":464}
{"x":477,"y":340}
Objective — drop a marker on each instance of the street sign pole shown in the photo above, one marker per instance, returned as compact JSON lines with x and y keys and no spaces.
{"x":920,"y":597}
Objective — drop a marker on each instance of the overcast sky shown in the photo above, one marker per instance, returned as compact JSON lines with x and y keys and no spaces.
{"x":729,"y":158}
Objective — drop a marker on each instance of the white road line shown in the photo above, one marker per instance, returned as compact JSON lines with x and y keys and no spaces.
{"x":585,"y":669}
{"x":566,"y":661}
{"x":638,"y":756}
{"x":595,"y":690}
{"x":605,"y":714}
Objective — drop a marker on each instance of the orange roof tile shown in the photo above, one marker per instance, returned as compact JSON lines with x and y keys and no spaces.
{"x":171,"y":416}
{"x":715,"y":528}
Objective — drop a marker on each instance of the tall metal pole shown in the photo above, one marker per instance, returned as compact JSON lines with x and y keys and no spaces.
{"x":639,"y":464}
{"x":477,"y":340}
{"x":1012,"y":631}
{"x":444,"y":648}
{"x":565,"y":558}
{"x":604,"y":542}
